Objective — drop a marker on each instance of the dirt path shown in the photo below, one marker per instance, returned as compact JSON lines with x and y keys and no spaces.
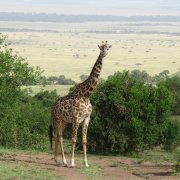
{"x":111,"y":168}
{"x":120,"y":168}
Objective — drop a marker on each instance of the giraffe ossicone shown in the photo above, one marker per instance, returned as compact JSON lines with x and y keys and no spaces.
{"x":76,"y":108}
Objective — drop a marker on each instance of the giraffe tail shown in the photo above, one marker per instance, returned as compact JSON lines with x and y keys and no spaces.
{"x":50,"y":133}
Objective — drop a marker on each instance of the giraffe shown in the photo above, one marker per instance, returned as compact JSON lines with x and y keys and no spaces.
{"x":76,"y":108}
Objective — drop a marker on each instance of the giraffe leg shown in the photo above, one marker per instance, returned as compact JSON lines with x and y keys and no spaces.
{"x":84,"y":139}
{"x":60,"y":126}
{"x":75,"y":126}
{"x":63,"y":125}
{"x":56,"y":152}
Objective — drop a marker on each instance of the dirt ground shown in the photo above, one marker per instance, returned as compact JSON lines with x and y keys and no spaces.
{"x":111,"y":168}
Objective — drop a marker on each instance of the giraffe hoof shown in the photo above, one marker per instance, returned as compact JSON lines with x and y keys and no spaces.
{"x":86,"y":165}
{"x":72,"y":166}
{"x":65,"y":165}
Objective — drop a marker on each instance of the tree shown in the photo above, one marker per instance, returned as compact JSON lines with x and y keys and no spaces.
{"x":128,"y":115}
{"x":23,"y":120}
{"x":14,"y":70}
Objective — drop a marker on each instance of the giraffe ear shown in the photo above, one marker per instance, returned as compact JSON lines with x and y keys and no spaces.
{"x":110,"y":46}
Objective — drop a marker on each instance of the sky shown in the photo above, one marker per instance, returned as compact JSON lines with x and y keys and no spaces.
{"x":94,"y":7}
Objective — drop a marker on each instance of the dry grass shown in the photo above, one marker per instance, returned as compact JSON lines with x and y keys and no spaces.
{"x":72,"y":51}
{"x":62,"y":90}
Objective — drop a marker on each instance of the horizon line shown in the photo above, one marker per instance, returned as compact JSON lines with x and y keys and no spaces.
{"x":36,"y":13}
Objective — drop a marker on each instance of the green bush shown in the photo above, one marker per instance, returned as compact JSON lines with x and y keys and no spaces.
{"x":128,"y":115}
{"x":24,"y":124}
{"x":171,"y":135}
{"x":24,"y":120}
{"x":173,"y":85}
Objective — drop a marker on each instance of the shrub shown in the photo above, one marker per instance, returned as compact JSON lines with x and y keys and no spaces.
{"x":171,"y":135}
{"x":24,"y":120}
{"x":128,"y":115}
{"x":173,"y":85}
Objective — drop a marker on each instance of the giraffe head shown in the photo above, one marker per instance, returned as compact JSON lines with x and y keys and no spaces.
{"x":104,"y":48}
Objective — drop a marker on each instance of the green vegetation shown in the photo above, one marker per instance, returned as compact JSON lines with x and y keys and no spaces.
{"x":157,"y":155}
{"x":131,"y":116}
{"x":60,"y":80}
{"x":131,"y":113}
{"x":173,"y":85}
{"x":92,"y":172}
{"x":24,"y":119}
{"x":20,"y":171}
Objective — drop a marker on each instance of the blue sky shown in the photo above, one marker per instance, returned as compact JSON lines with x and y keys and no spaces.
{"x":113,"y":7}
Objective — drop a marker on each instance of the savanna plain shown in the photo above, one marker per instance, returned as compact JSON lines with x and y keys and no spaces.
{"x":70,"y":49}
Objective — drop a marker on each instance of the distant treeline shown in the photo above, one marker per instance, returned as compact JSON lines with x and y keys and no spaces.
{"x":27,"y":30}
{"x":14,"y":16}
{"x":61,"y":80}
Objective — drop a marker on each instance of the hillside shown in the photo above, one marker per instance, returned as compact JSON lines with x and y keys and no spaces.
{"x":43,"y":17}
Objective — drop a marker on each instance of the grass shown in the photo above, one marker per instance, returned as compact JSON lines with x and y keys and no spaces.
{"x":177,"y":118}
{"x":92,"y":172}
{"x":55,"y":52}
{"x":4,"y":150}
{"x":157,"y":155}
{"x":61,"y":90}
{"x":19,"y":171}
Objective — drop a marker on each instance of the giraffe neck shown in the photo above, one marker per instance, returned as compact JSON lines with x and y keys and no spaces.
{"x":95,"y":72}
{"x":86,"y":88}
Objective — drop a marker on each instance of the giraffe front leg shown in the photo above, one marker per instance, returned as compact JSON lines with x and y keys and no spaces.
{"x":74,"y":139}
{"x":84,"y":139}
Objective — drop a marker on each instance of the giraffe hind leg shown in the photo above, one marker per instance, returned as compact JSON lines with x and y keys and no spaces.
{"x":56,"y":151}
{"x":63,"y":125}
{"x":59,"y":128}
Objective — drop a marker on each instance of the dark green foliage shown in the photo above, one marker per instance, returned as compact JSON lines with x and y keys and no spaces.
{"x":24,"y":120}
{"x":173,"y":85}
{"x":47,"y":98}
{"x":171,"y":135}
{"x":128,"y":115}
{"x":24,"y":123}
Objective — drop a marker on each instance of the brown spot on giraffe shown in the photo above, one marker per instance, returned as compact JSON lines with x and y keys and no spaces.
{"x":76,"y":108}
